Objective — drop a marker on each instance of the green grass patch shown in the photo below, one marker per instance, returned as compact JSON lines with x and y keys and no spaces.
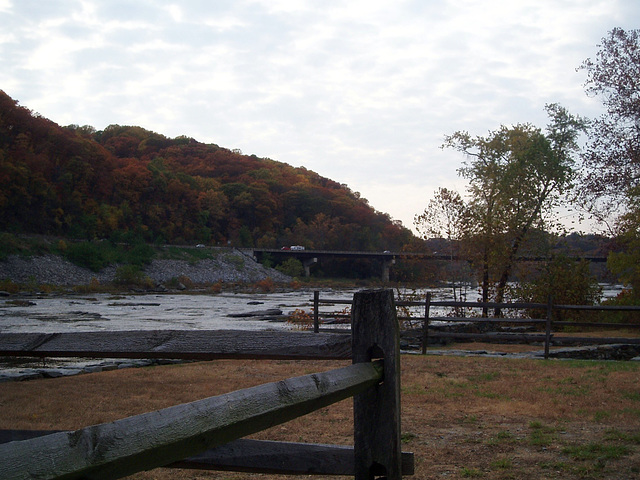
{"x":632,"y":411}
{"x":502,"y":463}
{"x":567,"y":390}
{"x":596,"y":452}
{"x":601,"y":415}
{"x":485,"y":377}
{"x":503,"y":437}
{"x":541,"y":435}
{"x":408,"y":437}
{"x":470,"y":472}
{"x":616,"y":435}
{"x":603,"y":367}
{"x":635,"y":396}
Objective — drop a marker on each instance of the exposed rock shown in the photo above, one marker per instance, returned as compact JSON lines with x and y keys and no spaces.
{"x":229,"y":266}
{"x":599,"y":352}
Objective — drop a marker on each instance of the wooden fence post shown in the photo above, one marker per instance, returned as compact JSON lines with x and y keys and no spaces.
{"x":547,"y":333}
{"x":375,"y":334}
{"x":316,"y":314}
{"x":425,"y":333}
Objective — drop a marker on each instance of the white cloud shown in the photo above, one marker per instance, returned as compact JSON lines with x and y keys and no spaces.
{"x":362,"y":92}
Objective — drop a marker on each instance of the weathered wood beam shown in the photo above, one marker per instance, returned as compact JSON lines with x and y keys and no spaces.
{"x":121,"y":448}
{"x":178,"y":344}
{"x":375,"y":334}
{"x":260,"y":456}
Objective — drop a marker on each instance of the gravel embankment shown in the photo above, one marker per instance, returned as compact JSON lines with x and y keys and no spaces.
{"x":230,"y":266}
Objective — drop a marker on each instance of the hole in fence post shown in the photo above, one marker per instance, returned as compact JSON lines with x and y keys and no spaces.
{"x":375,"y":330}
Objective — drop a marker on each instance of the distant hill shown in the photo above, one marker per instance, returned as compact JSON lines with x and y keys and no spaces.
{"x":127,"y":182}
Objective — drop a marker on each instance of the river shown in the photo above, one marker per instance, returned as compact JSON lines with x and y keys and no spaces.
{"x":163,"y":311}
{"x":100,"y":312}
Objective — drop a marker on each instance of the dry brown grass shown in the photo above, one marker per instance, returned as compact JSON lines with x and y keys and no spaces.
{"x":463,"y":417}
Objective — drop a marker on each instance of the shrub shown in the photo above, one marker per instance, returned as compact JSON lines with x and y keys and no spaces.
{"x":94,"y":286}
{"x":300,"y":320}
{"x":626,"y":298}
{"x":140,"y":254}
{"x":94,"y":256}
{"x":292,"y":267}
{"x":266,"y":285}
{"x":10,"y":286}
{"x":9,"y":245}
{"x":568,"y":282}
{"x":132,"y":276}
{"x":186,"y":281}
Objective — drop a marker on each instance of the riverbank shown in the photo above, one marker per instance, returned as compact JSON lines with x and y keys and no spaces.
{"x":227,"y":266}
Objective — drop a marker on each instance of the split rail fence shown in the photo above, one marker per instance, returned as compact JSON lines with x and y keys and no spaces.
{"x":207,"y":434}
{"x":548,"y":324}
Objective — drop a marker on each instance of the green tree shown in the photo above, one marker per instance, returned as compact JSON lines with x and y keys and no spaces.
{"x":517,"y":176}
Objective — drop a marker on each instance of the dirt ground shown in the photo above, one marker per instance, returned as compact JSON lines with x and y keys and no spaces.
{"x":463,"y":417}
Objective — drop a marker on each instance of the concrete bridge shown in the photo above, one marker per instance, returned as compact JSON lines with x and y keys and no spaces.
{"x":388,"y":258}
{"x":310,"y":257}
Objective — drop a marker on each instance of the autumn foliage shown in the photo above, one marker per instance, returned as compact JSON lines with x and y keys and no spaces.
{"x":125,"y":181}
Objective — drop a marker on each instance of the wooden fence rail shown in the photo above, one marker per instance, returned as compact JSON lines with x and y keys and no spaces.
{"x":184,"y":435}
{"x":549,"y":323}
{"x":178,"y":344}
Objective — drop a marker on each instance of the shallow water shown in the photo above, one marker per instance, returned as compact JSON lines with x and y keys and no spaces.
{"x":105,"y":312}
{"x":54,"y":314}
{"x":100,"y":312}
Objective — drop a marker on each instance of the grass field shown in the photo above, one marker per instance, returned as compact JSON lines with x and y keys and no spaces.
{"x":463,"y":417}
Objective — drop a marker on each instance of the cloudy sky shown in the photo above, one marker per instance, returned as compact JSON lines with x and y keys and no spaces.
{"x":360,"y":91}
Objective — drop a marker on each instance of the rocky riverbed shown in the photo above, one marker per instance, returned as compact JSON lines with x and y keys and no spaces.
{"x":229,"y":266}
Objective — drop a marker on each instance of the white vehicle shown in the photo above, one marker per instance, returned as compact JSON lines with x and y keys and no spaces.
{"x":297,"y":247}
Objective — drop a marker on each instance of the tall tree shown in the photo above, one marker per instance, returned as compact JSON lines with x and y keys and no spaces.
{"x":516,"y":176}
{"x":612,"y":159}
{"x":445,"y":217}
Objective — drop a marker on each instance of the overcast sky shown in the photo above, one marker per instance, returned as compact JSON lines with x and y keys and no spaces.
{"x":360,"y":91}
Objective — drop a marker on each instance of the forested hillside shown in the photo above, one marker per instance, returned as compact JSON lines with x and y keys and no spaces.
{"x":125,"y":182}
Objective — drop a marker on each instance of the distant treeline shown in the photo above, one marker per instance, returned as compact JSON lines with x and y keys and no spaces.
{"x":125,"y":181}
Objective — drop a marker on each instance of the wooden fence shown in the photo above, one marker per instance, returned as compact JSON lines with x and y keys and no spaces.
{"x":547,"y":324}
{"x":207,"y":434}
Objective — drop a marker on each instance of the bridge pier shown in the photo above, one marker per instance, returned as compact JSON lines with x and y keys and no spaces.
{"x":306,"y":263}
{"x":386,"y":266}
